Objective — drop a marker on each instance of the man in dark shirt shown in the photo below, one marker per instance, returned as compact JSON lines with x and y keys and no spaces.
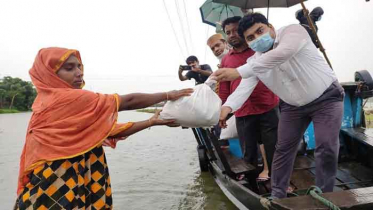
{"x":315,"y":16}
{"x":199,"y":73}
{"x":257,"y":119}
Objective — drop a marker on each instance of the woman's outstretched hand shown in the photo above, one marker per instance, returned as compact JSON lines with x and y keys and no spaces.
{"x":176,"y":94}
{"x":156,"y":121}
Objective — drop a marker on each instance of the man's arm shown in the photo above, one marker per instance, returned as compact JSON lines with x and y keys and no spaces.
{"x":242,"y":93}
{"x":237,"y":98}
{"x":207,"y":71}
{"x":230,"y":74}
{"x":181,"y":76}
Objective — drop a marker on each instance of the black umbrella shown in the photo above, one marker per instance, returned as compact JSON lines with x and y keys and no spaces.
{"x":252,"y":4}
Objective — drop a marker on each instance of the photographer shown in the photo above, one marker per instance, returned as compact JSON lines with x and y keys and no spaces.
{"x":199,"y":73}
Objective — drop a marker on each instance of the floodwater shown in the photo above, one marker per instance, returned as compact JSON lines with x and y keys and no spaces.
{"x":153,"y":169}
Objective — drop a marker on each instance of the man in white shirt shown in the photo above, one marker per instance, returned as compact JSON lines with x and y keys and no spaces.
{"x":288,"y":63}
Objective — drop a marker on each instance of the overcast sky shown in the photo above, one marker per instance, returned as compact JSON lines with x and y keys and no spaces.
{"x":129,"y":46}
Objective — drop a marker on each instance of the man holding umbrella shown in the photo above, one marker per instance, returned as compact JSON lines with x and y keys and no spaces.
{"x":288,"y":63}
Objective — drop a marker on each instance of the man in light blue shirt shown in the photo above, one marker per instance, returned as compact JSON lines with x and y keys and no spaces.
{"x":288,"y":63}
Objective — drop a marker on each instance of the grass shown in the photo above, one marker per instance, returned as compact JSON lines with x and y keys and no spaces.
{"x":369,"y":117}
{"x":147,"y":110}
{"x":7,"y":111}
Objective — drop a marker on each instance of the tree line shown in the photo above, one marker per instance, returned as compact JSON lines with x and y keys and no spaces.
{"x":19,"y":95}
{"x":16,"y":94}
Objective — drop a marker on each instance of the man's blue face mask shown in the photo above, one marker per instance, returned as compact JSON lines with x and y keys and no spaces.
{"x":262,"y":43}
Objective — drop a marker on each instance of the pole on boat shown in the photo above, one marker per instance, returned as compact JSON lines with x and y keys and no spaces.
{"x":322,"y":49}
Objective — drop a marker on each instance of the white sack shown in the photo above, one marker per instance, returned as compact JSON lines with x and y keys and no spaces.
{"x":201,"y":109}
{"x":230,"y":132}
{"x":211,"y":82}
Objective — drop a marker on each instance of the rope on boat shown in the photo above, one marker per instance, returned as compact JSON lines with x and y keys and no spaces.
{"x":266,"y":203}
{"x":315,"y":191}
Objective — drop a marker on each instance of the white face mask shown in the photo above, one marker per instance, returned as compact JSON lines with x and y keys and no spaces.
{"x":226,"y":50}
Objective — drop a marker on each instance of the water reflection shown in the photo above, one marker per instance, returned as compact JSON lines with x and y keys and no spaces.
{"x":204,"y":194}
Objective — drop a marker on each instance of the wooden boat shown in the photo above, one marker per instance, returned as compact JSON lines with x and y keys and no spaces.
{"x":354,"y":181}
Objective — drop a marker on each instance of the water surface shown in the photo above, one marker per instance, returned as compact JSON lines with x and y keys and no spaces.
{"x":153,"y":169}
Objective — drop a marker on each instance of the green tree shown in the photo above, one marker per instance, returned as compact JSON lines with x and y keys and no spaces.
{"x":16,"y":93}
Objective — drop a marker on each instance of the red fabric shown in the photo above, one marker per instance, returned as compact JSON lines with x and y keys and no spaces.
{"x":261,"y":100}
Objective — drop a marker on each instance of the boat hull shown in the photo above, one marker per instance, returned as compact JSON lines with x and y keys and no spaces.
{"x":240,"y":196}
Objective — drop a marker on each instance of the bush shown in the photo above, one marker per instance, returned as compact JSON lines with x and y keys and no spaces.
{"x":7,"y":111}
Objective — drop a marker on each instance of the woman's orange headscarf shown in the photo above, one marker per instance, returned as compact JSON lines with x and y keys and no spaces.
{"x":66,"y":122}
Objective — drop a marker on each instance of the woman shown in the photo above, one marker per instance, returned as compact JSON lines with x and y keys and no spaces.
{"x":63,"y":164}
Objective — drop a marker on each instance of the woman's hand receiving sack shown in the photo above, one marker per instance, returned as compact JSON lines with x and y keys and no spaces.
{"x":176,"y":94}
{"x":156,"y":121}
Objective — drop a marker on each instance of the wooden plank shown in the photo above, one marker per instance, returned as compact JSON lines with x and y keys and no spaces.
{"x":359,"y":134}
{"x":357,"y":199}
{"x":349,"y":172}
{"x":302,"y":179}
{"x":303,"y":162}
{"x":356,"y":170}
{"x":337,"y":181}
{"x":238,"y":165}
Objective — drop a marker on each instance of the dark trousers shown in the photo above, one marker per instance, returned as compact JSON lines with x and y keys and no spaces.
{"x":254,"y":129}
{"x":326,"y":114}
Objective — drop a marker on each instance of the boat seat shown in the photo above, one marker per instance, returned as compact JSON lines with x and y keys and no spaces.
{"x":237,"y":165}
{"x":233,"y":166}
{"x":362,"y":135}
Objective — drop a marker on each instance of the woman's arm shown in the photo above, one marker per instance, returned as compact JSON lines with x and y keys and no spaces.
{"x":141,"y":125}
{"x":143,"y":100}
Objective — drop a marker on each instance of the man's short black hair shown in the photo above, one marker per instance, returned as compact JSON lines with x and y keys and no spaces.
{"x":249,"y":20}
{"x":191,"y":59}
{"x":234,"y":19}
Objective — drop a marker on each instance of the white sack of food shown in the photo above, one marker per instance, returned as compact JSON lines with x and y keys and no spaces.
{"x":211,"y":82}
{"x":230,"y":132}
{"x":201,"y":109}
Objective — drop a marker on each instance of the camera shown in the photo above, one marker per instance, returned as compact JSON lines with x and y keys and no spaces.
{"x":185,"y":67}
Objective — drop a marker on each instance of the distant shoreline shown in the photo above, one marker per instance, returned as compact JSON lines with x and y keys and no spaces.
{"x":8,"y":111}
{"x":147,"y":110}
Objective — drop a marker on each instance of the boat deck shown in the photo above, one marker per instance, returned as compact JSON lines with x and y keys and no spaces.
{"x":353,"y":189}
{"x":350,"y":175}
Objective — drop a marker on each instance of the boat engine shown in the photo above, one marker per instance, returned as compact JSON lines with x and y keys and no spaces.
{"x":365,"y":84}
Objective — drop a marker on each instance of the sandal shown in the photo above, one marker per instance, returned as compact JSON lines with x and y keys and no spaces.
{"x":290,"y":190}
{"x":240,"y":177}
